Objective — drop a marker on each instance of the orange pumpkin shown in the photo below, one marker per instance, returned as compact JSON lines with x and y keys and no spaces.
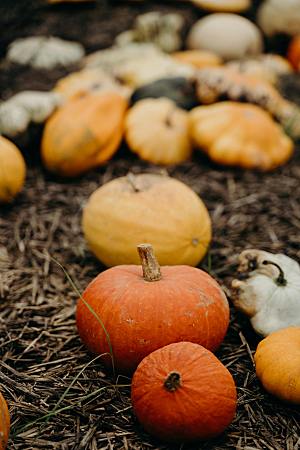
{"x":84,"y":133}
{"x":277,"y":361}
{"x":294,"y":52}
{"x":145,"y":308}
{"x":182,"y":392}
{"x":4,"y":423}
{"x":12,"y":170}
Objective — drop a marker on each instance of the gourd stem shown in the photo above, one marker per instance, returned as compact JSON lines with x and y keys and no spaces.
{"x":280,"y":280}
{"x":131,"y":180}
{"x":168,"y":120}
{"x":172,"y":382}
{"x":151,"y":268}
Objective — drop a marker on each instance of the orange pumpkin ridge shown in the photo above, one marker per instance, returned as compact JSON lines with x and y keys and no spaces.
{"x":185,"y":304}
{"x":182,"y":392}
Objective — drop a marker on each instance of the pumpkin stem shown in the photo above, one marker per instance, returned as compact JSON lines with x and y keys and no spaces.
{"x":151,"y":268}
{"x":280,"y":280}
{"x":168,"y":120}
{"x":131,"y":180}
{"x":172,"y":382}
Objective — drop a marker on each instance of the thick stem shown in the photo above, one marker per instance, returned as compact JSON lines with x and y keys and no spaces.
{"x":151,"y":268}
{"x":172,"y":382}
{"x":280,"y":280}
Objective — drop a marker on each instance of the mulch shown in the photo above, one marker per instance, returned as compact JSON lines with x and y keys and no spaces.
{"x":59,"y":395}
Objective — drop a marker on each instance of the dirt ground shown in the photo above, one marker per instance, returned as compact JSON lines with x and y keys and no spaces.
{"x":58,"y":394}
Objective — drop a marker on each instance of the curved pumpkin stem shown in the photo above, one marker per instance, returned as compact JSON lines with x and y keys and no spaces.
{"x":151,"y":268}
{"x":280,"y":280}
{"x":172,"y":382}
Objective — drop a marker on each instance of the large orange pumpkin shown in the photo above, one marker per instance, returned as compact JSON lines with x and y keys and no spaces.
{"x":294,"y":52}
{"x":182,"y":392}
{"x":84,"y":133}
{"x":145,"y":308}
{"x":4,"y":423}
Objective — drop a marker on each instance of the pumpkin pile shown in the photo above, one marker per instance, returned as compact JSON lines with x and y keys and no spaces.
{"x":158,"y":316}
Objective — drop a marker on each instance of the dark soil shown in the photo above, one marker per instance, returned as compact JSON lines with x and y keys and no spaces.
{"x":59,"y":396}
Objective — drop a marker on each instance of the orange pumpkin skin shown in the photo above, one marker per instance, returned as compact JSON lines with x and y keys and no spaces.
{"x":84,"y":133}
{"x":186,"y":304}
{"x":4,"y":423}
{"x":277,"y":361}
{"x":201,"y":407}
{"x":293,"y":54}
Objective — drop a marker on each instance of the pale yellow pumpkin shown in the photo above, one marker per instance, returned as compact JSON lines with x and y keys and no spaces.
{"x":158,"y":131}
{"x":12,"y":170}
{"x":84,"y":133}
{"x":240,"y":134}
{"x":146,"y":208}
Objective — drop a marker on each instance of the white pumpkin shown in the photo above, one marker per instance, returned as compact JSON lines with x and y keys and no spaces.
{"x":228,"y":35}
{"x":270,"y":295}
{"x":279,"y":16}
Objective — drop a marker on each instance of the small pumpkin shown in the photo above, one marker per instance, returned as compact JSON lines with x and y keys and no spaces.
{"x":198,"y":58}
{"x":89,"y":80}
{"x":214,"y":83}
{"x":279,"y":17}
{"x":146,"y":207}
{"x":4,"y":423}
{"x":158,"y":131}
{"x":277,"y":361}
{"x":183,"y":393}
{"x":84,"y":133}
{"x":12,"y":170}
{"x":230,"y":36}
{"x":240,"y":134}
{"x":269,"y":292}
{"x":179,"y":89}
{"x":143,"y":308}
{"x":294,"y":52}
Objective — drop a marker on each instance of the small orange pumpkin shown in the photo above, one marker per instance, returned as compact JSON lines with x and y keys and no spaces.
{"x":145,"y":308}
{"x":4,"y":423}
{"x":84,"y":133}
{"x":293,"y":54}
{"x":12,"y":170}
{"x":182,"y":393}
{"x":277,"y":361}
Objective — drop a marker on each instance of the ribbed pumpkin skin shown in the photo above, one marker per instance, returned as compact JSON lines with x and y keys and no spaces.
{"x":4,"y":423}
{"x":142,"y":316}
{"x":12,"y":170}
{"x":201,"y":408}
{"x":84,"y":133}
{"x":164,"y":212}
{"x":277,"y":361}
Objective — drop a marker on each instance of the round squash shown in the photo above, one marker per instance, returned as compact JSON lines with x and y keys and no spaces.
{"x":12,"y":170}
{"x":84,"y":133}
{"x":158,"y":131}
{"x":228,"y":35}
{"x":145,"y":308}
{"x":294,"y":52}
{"x":183,"y":393}
{"x":277,"y":361}
{"x":232,"y":6}
{"x":146,"y":208}
{"x":240,"y":134}
{"x":4,"y":423}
